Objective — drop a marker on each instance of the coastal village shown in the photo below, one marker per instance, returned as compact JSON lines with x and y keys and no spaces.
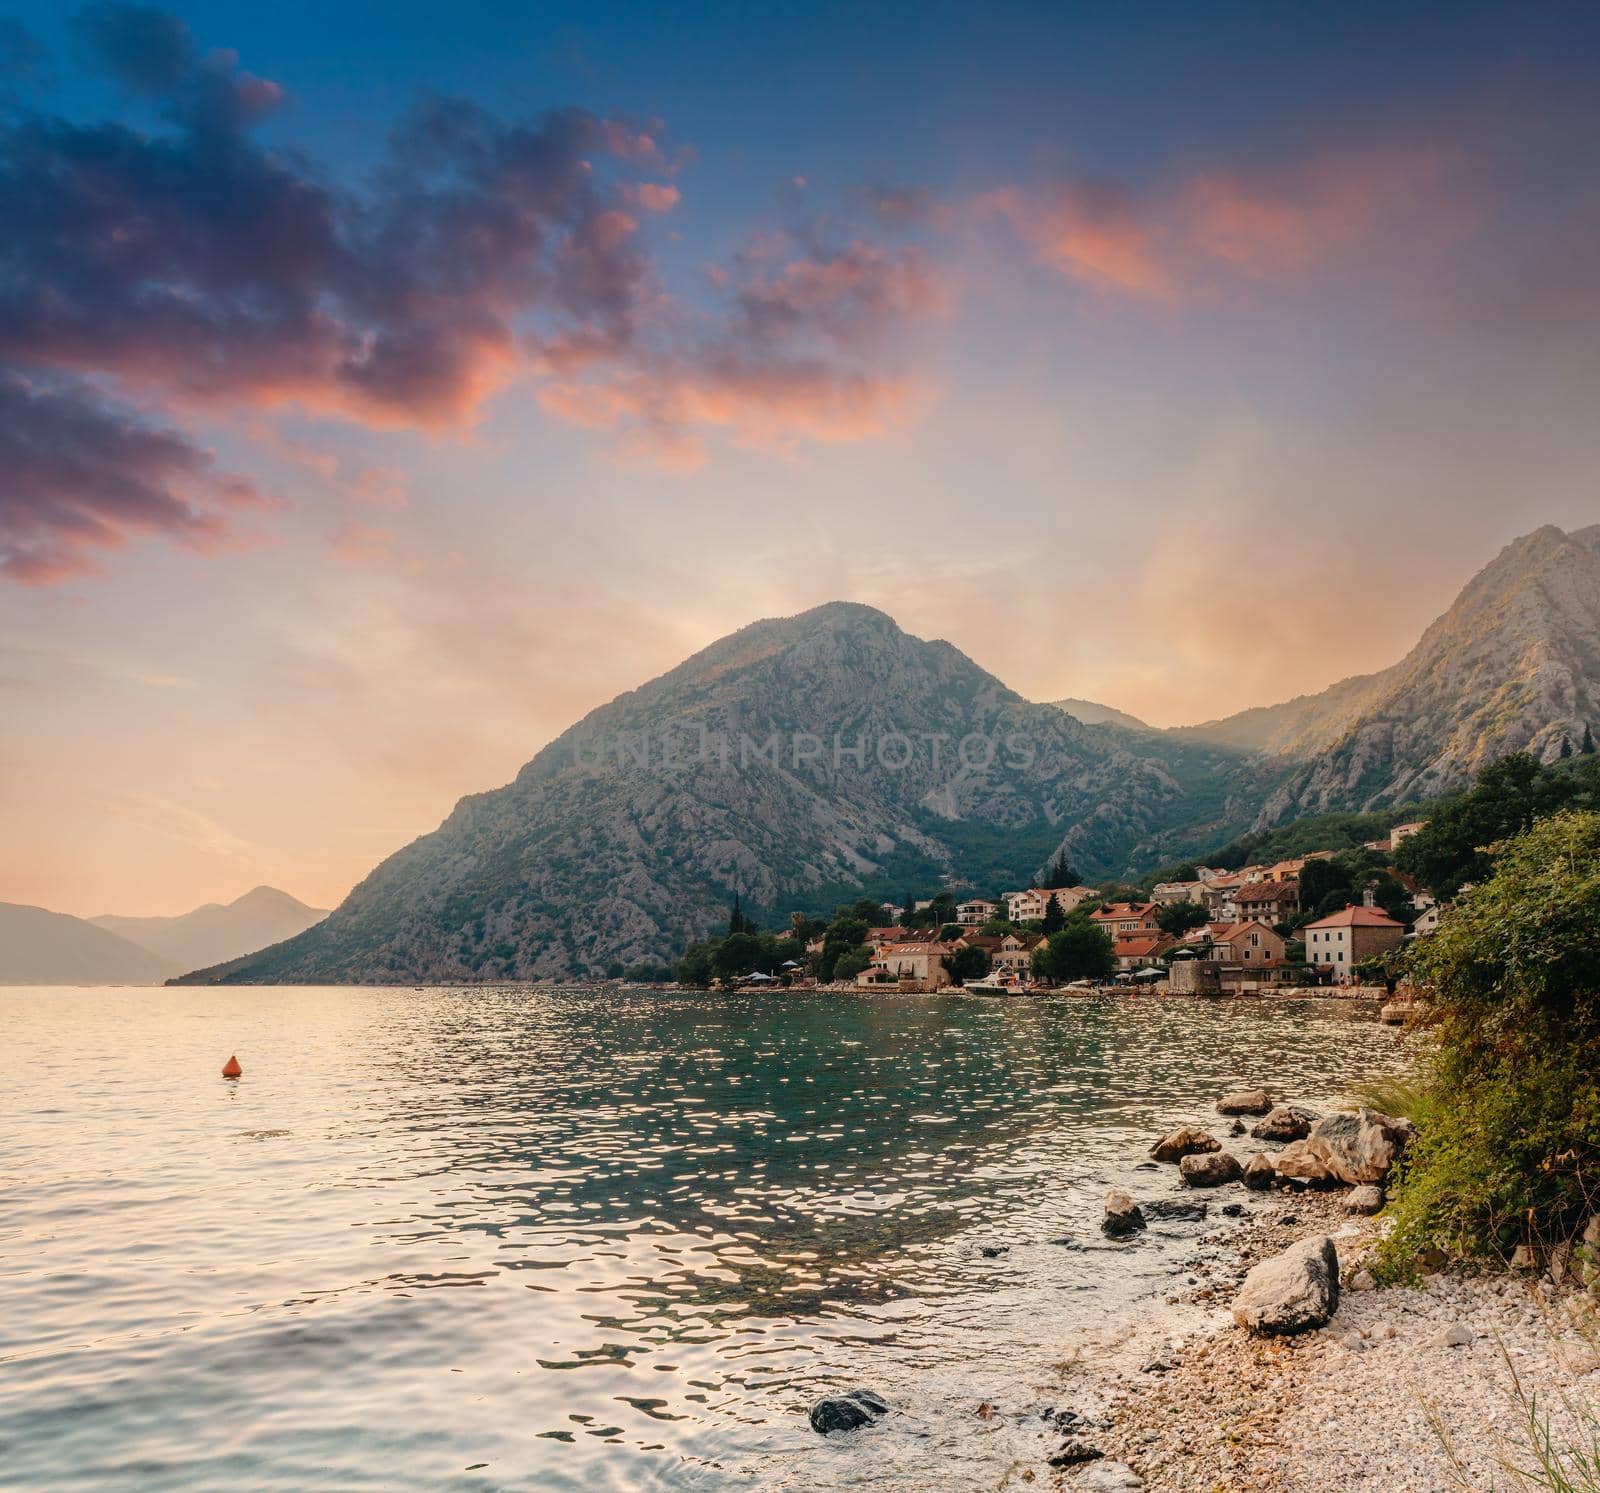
{"x":1329,"y":918}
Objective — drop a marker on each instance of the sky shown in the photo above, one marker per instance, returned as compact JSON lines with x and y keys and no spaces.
{"x":384,"y":387}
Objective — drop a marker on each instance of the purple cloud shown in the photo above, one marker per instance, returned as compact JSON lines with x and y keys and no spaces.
{"x":191,"y":265}
{"x":82,"y":475}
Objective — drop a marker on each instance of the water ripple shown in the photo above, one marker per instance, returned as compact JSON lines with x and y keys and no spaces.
{"x":574,"y":1239}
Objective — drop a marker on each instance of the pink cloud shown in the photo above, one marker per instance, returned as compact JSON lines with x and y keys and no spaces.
{"x":85,"y":475}
{"x":1094,"y":233}
{"x":653,"y":197}
{"x":364,"y":544}
{"x":1184,"y":240}
{"x":806,"y":352}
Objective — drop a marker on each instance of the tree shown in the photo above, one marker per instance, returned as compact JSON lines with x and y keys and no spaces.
{"x":804,"y":928}
{"x":966,"y":963}
{"x":851,"y":963}
{"x":1450,"y":850}
{"x":695,"y":966}
{"x":1508,"y":1147}
{"x":1080,"y":951}
{"x":1061,"y":874}
{"x":844,"y":933}
{"x":1587,"y":748}
{"x":1054,"y":919}
{"x":1325,"y":886}
{"x":908,"y":911}
{"x":737,"y":921}
{"x":1177,"y":918}
{"x":737,"y":954}
{"x":1122,"y":893}
{"x":938,"y":912}
{"x":1392,"y":897}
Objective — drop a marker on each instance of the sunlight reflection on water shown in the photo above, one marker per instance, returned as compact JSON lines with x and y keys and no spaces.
{"x":488,"y":1238}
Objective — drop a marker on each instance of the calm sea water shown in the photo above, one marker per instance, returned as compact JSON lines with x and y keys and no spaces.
{"x":582,"y":1239}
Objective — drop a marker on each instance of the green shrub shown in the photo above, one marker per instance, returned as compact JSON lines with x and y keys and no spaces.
{"x":1508,"y":1149}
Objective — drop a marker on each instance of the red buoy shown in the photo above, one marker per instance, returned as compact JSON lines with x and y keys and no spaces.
{"x":231,"y":1069}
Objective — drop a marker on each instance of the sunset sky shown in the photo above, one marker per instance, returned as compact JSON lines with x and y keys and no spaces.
{"x":382,"y":387}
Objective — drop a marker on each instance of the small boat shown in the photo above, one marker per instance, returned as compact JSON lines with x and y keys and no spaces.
{"x":989,"y":985}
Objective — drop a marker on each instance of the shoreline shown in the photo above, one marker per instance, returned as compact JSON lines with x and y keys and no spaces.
{"x":1366,"y":1402}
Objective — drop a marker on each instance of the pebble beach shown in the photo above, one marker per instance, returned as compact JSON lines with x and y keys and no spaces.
{"x":1404,"y":1390}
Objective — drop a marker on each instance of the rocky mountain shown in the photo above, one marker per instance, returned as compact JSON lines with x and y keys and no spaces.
{"x":798,"y":762}
{"x":217,"y":931}
{"x":51,"y":948}
{"x":809,"y":760}
{"x":1094,"y":714}
{"x":1513,"y":665}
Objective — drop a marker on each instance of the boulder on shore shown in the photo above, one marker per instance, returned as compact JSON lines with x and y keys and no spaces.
{"x":1245,"y":1102}
{"x":1360,"y":1147}
{"x":1285,"y":1122}
{"x":1300,"y":1162}
{"x":1211,"y":1169}
{"x":846,"y":1412}
{"x":1177,"y":1212}
{"x":1259,"y":1172}
{"x":1122,"y":1216}
{"x":1366,"y":1199}
{"x":1109,"y":1477}
{"x":1292,"y":1292}
{"x":1186,"y":1141}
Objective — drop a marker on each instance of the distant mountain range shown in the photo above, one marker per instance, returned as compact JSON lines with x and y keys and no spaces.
{"x":52,"y":948}
{"x":1092,"y":714}
{"x":739,"y":771}
{"x":1514,"y":665}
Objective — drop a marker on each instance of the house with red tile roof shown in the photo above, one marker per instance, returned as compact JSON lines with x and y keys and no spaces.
{"x":1270,"y":901}
{"x":1247,"y":942}
{"x":1126,"y":919}
{"x":916,"y":967}
{"x":1137,"y":950}
{"x":1342,"y":940}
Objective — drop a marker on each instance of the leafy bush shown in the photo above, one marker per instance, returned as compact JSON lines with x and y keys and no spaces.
{"x":1080,"y":951}
{"x":1507,"y":796}
{"x":1508,"y":1150}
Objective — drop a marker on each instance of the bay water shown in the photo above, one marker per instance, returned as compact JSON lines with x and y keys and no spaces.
{"x":587,"y":1238}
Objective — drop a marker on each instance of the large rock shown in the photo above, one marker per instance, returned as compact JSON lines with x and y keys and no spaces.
{"x":1292,"y":1292}
{"x":1299,"y":1162}
{"x":1259,"y":1172}
{"x":1245,"y":1102}
{"x":1285,"y":1122}
{"x":1187,"y":1141}
{"x":1174,"y":1211}
{"x":846,"y":1412}
{"x":1367,"y":1199}
{"x":1109,"y":1477}
{"x":1586,"y":1254}
{"x":1122,"y":1216}
{"x":1210,"y":1170}
{"x":1359,"y":1147}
